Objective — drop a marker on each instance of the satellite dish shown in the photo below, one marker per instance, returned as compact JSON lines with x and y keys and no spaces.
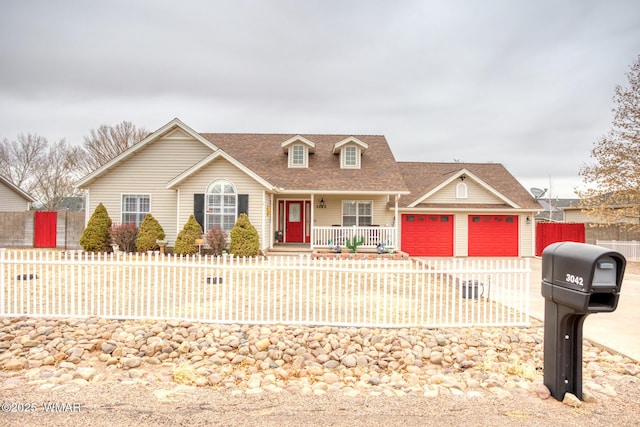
{"x":538,"y":192}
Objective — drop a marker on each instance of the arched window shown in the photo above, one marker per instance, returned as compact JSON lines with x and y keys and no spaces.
{"x":461,"y":190}
{"x":221,"y":205}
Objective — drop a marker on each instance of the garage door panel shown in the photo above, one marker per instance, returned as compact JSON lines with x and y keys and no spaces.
{"x":427,"y":235}
{"x":493,"y":235}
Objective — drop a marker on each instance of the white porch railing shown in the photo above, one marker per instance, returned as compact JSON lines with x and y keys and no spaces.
{"x":277,"y":290}
{"x":325,"y":237}
{"x":630,"y":250}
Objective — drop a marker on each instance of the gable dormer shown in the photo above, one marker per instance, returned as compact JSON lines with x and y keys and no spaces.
{"x":298,"y":149}
{"x":350,"y":150}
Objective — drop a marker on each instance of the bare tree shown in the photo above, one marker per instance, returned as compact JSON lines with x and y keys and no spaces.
{"x":614,"y":179}
{"x":55,"y":180}
{"x":106,"y":142}
{"x":20,"y":159}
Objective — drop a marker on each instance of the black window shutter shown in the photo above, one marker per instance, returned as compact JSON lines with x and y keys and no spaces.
{"x":198,"y":208}
{"x":243,"y":204}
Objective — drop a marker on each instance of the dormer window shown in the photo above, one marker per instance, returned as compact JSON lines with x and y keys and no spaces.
{"x":350,"y":151}
{"x":298,"y":149}
{"x":350,"y":157}
{"x":298,"y":156}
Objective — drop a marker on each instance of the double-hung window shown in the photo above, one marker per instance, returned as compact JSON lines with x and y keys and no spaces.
{"x":135,"y":207}
{"x":357,"y":212}
{"x":298,"y":156}
{"x":350,"y":157}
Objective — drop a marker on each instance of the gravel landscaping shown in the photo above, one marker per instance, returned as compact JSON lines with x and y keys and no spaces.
{"x":142,"y":372}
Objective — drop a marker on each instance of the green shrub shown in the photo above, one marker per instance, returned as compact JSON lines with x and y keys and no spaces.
{"x":217,"y":239}
{"x":125,"y":236}
{"x":150,"y":232}
{"x":96,"y":236}
{"x":186,"y":240}
{"x":244,"y":238}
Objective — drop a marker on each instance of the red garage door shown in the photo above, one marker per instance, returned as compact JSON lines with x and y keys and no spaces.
{"x":493,"y":235}
{"x":427,"y":235}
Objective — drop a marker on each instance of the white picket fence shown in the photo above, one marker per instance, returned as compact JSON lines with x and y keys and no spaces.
{"x":274,"y":290}
{"x":630,"y":249}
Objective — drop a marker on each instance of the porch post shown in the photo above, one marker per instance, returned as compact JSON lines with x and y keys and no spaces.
{"x":311,"y":226}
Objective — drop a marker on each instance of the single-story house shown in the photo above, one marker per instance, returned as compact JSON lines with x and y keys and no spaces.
{"x":12,"y":198}
{"x":315,"y":190}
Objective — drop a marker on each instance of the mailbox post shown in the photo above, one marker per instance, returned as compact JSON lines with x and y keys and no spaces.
{"x":577,"y":279}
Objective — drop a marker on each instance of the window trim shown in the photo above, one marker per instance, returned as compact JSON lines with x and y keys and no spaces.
{"x":138,"y":213}
{"x":222,"y":214}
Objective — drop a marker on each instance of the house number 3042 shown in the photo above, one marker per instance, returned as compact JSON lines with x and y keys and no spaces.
{"x":575,"y":279}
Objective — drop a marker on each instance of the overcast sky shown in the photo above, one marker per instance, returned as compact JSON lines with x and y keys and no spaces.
{"x":528,"y":84}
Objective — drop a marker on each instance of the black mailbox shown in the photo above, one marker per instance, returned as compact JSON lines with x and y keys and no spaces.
{"x":581,"y":276}
{"x":577,"y":280}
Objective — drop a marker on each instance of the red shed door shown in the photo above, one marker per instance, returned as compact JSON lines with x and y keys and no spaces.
{"x":427,"y":235}
{"x":44,"y":225}
{"x":493,"y":235}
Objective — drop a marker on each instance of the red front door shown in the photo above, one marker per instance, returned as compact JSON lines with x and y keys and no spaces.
{"x":294,"y":224}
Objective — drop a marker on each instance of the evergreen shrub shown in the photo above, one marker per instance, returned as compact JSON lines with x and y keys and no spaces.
{"x":245,"y":241}
{"x":186,"y":240}
{"x":149,"y":233}
{"x":96,"y":236}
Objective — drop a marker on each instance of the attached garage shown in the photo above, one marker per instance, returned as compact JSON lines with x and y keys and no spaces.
{"x":493,"y":235}
{"x":427,"y":234}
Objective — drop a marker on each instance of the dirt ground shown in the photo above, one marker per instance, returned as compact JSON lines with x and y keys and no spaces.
{"x":113,"y":404}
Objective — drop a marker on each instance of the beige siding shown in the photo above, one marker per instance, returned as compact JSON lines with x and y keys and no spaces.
{"x":222,"y":169}
{"x":10,"y":201}
{"x":527,"y":235}
{"x":461,"y":234}
{"x":475,"y":194}
{"x":332,"y":215}
{"x":147,"y":172}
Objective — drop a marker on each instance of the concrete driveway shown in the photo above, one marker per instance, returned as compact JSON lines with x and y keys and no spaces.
{"x":617,"y":331}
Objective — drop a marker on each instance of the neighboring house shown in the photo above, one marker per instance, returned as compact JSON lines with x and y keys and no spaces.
{"x":554,"y":210}
{"x":12,"y":198}
{"x":317,"y":190}
{"x":575,"y":213}
{"x":465,"y":209}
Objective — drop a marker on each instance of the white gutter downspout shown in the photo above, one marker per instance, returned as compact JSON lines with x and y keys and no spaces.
{"x":263,"y":217}
{"x":178,"y":213}
{"x":397,"y":221}
{"x":311,"y":227}
{"x":87,"y":203}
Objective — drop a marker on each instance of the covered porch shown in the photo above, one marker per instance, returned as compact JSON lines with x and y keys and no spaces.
{"x":333,"y":221}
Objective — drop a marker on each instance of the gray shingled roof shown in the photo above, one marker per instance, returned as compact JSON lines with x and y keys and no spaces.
{"x":263,"y":154}
{"x":423,"y":177}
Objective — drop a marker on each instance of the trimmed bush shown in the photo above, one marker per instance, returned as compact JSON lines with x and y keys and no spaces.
{"x":150,"y":232}
{"x":217,"y":239}
{"x":245,"y":241}
{"x":125,"y":236}
{"x":186,"y":240}
{"x":96,"y":236}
